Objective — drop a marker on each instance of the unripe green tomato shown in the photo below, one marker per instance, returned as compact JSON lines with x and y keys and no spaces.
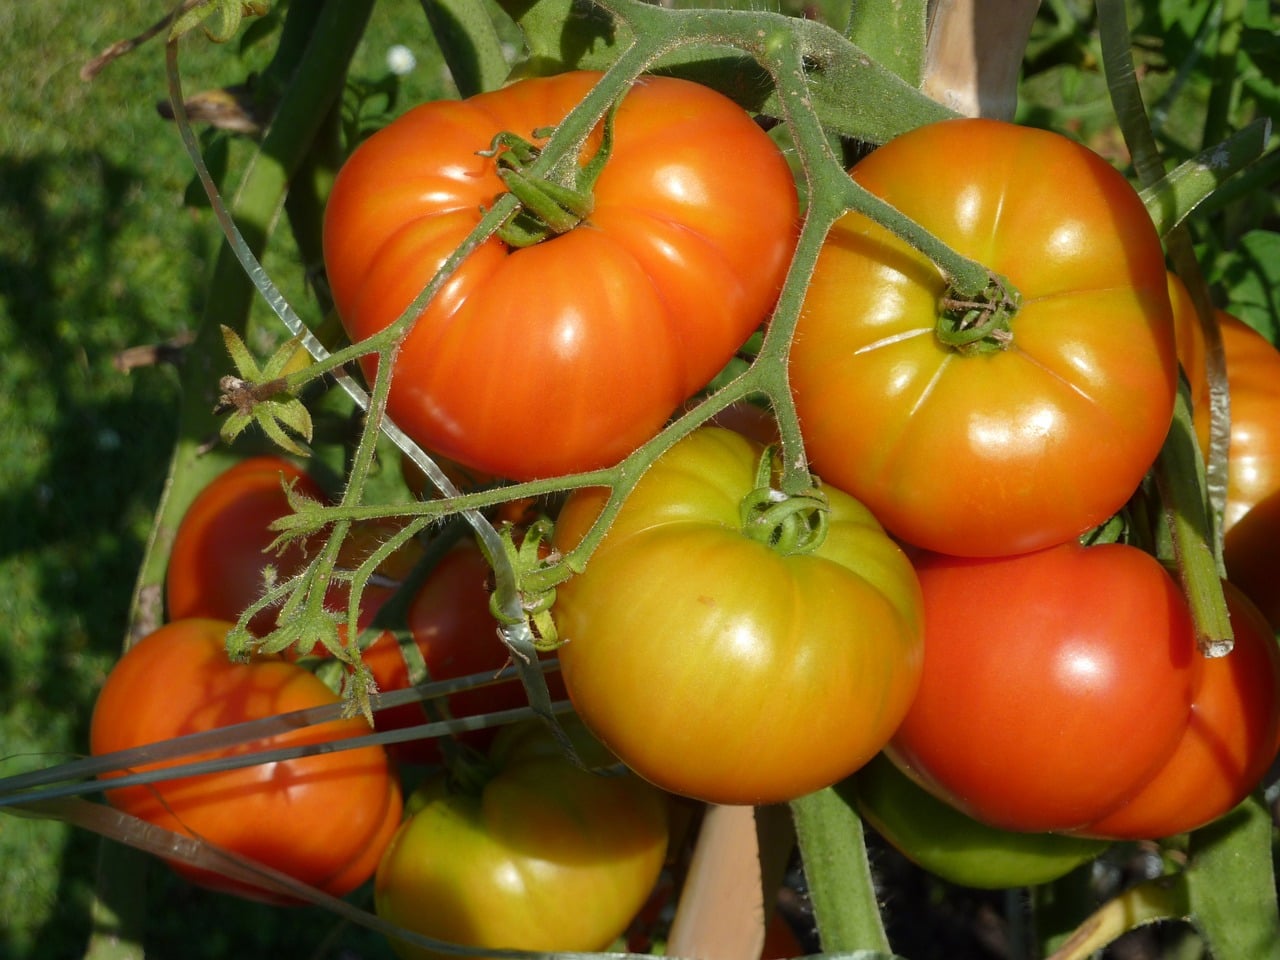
{"x":947,"y":843}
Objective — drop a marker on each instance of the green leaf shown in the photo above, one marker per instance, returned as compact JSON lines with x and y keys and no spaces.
{"x":893,"y":33}
{"x":234,"y":425}
{"x":1174,"y":196}
{"x":1250,"y":276}
{"x":470,"y":44}
{"x":1231,"y":884}
{"x":220,"y":19}
{"x":246,"y":365}
{"x":563,"y":35}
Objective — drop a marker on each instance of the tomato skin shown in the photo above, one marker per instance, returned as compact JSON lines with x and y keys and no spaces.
{"x":506,"y":369}
{"x":221,"y":547}
{"x":1253,"y":377}
{"x":1055,"y":684}
{"x":548,"y":857}
{"x":323,"y":819}
{"x":1251,"y":552}
{"x":997,"y":453}
{"x":1230,"y":740}
{"x":683,"y":633}
{"x":940,"y":839}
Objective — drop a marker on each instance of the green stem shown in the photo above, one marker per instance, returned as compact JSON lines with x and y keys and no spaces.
{"x":838,"y":873}
{"x":1179,"y":468}
{"x":1149,"y":902}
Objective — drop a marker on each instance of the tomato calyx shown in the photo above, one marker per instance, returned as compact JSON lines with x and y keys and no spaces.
{"x":974,"y":325}
{"x":787,"y":523}
{"x":526,"y":548}
{"x":547,"y":207}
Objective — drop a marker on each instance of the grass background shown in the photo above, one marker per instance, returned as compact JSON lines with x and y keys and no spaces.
{"x":98,"y":253}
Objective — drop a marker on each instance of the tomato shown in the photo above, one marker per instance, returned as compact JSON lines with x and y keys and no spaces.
{"x":567,"y":354}
{"x":323,"y":819}
{"x":718,"y":667}
{"x":1253,"y":378}
{"x":1251,"y":552}
{"x":989,"y":452}
{"x":1228,"y":745}
{"x":221,"y":548}
{"x":544,"y":856}
{"x":940,"y":839}
{"x":1056,"y":684}
{"x":450,"y":623}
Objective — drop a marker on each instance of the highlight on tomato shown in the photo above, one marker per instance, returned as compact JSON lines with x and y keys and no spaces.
{"x":980,"y":430}
{"x":323,"y":819}
{"x":1056,"y":684}
{"x":940,"y":839}
{"x":526,"y":851}
{"x":506,"y":368}
{"x":719,"y":651}
{"x":221,"y":549}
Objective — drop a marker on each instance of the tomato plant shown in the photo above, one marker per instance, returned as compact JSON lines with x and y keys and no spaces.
{"x":505,"y":369}
{"x":221,"y":550}
{"x":978,"y":436}
{"x":1230,"y":740}
{"x":323,"y":819}
{"x":540,"y":855}
{"x":1055,"y":684}
{"x":450,"y":623}
{"x":719,"y":665}
{"x":947,"y":843}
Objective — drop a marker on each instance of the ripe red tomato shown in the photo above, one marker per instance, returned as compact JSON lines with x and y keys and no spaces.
{"x":1251,"y":552}
{"x":564,"y":355}
{"x":940,"y":839}
{"x":718,"y":667}
{"x":323,"y":819}
{"x":450,"y":622}
{"x":544,"y":856}
{"x":1228,"y":745}
{"x":1007,"y":450}
{"x":1056,"y":684}
{"x":221,"y":547}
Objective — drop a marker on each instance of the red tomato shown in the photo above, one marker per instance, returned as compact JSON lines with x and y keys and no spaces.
{"x":1056,"y":684}
{"x":1251,"y":551}
{"x":717,"y":666}
{"x":450,"y":622}
{"x":221,"y":548}
{"x":564,"y":355}
{"x":543,"y":856}
{"x":996,"y":450}
{"x":323,"y":819}
{"x":1228,"y":745}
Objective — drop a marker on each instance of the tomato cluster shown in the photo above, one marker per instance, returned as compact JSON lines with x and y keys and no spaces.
{"x":919,"y":615}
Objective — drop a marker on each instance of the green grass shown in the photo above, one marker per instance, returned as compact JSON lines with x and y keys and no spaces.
{"x":98,"y":253}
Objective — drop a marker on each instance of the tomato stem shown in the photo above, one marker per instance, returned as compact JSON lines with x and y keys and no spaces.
{"x":979,"y":324}
{"x":547,"y":208}
{"x":787,"y":523}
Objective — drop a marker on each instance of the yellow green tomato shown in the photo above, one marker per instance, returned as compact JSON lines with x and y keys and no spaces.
{"x":543,"y":856}
{"x":955,"y":847}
